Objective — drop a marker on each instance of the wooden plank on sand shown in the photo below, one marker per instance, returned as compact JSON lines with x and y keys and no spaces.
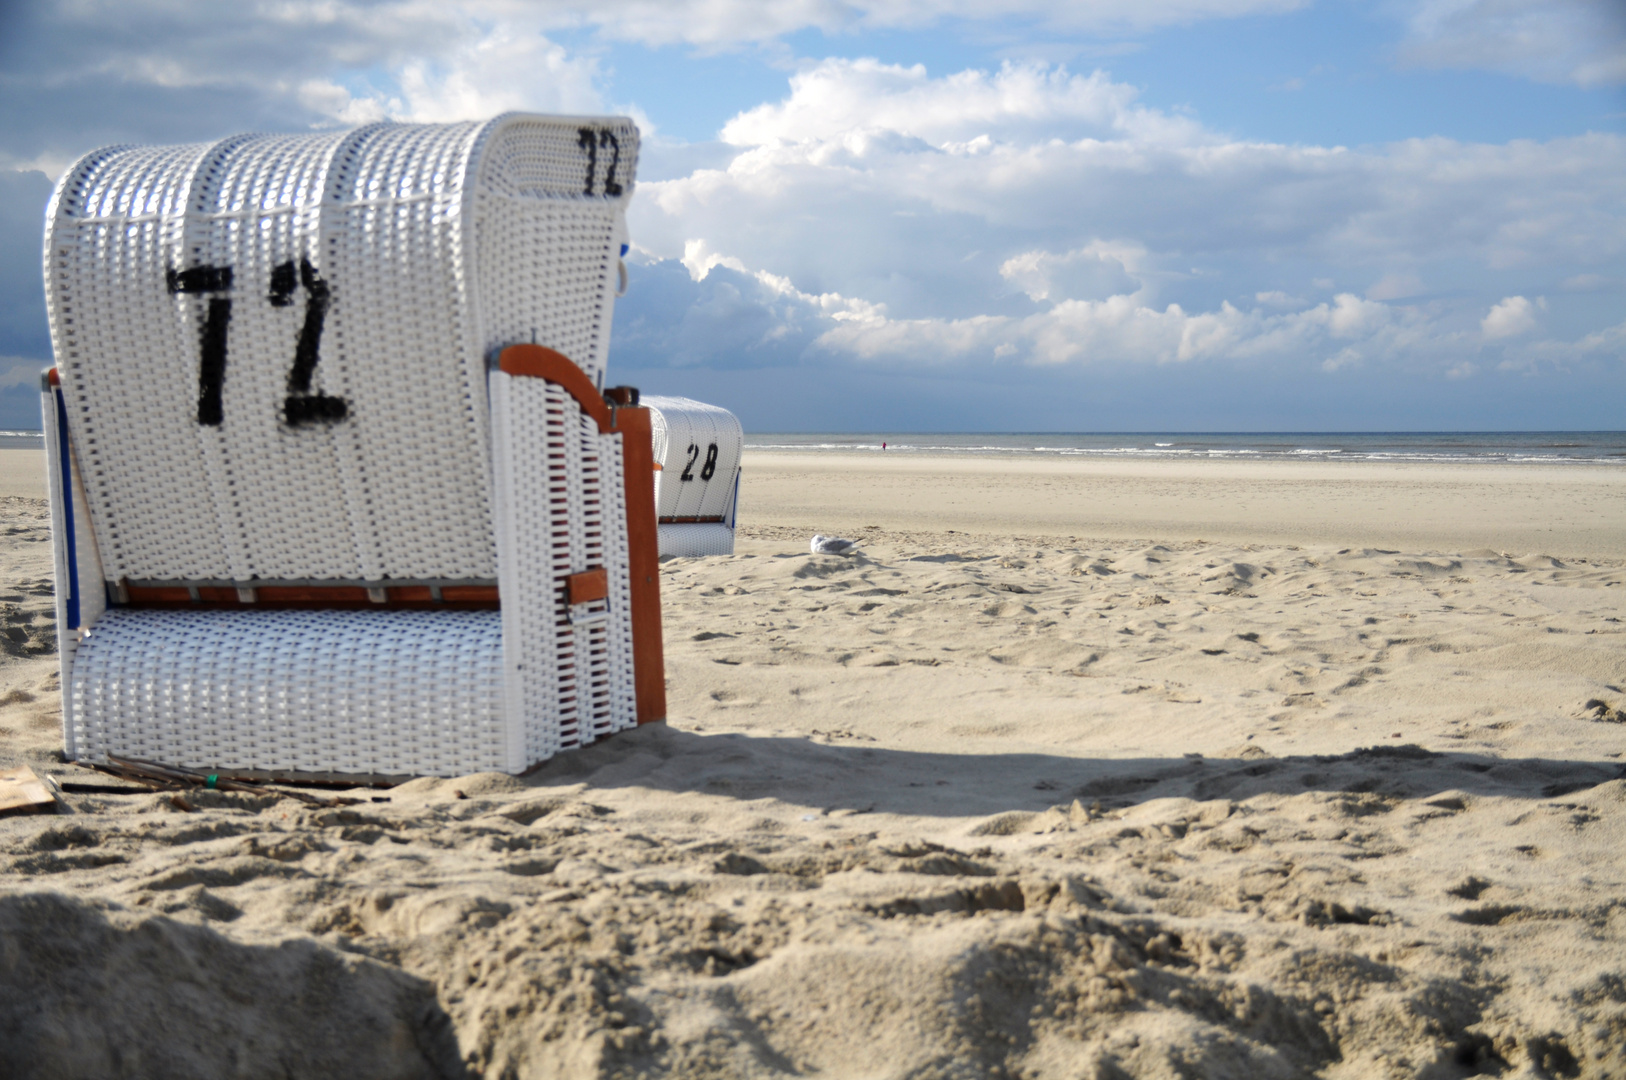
{"x":22,"y":792}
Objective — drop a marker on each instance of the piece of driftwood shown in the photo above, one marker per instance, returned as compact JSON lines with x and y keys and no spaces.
{"x":170,"y":777}
{"x":74,"y":787}
{"x":338,"y":781}
{"x":23,"y":792}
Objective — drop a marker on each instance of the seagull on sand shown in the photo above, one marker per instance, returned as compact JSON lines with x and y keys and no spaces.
{"x":833,"y":545}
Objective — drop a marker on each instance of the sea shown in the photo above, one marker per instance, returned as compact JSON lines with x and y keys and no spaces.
{"x":1584,"y":448}
{"x":1580,"y":448}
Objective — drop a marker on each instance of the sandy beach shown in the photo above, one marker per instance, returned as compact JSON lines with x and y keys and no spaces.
{"x":1555,"y":509}
{"x":1076,"y":770}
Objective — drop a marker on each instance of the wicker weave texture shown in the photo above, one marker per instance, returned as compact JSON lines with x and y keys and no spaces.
{"x":273,"y":348}
{"x":698,"y":448}
{"x":359,"y":692}
{"x":694,"y":540}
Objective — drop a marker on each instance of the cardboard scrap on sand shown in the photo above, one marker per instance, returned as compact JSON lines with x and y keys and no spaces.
{"x":22,"y":792}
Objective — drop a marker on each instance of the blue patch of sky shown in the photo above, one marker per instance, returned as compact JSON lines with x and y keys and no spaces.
{"x":1330,"y":75}
{"x":1327,"y":74}
{"x":687,"y":93}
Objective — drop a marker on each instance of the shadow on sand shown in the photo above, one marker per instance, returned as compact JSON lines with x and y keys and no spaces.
{"x":858,"y":776}
{"x":88,"y":991}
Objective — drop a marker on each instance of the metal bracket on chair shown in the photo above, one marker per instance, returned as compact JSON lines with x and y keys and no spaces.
{"x":584,"y":589}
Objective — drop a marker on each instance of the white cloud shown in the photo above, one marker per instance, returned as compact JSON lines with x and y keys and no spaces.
{"x":1120,"y":330}
{"x":854,"y":99}
{"x":933,"y":198}
{"x":1095,"y":271}
{"x":1607,"y":344}
{"x":1611,"y":339}
{"x":1348,"y":356}
{"x":510,"y":66}
{"x":1513,"y":316}
{"x":1589,"y":283}
{"x":170,"y":70}
{"x":940,"y":197}
{"x":1559,"y":41}
{"x":1395,"y":287}
{"x":163,"y":71}
{"x":699,"y":260}
{"x":327,"y":98}
{"x":767,"y":321}
{"x":728,"y":22}
{"x":468,"y":68}
{"x":20,"y":371}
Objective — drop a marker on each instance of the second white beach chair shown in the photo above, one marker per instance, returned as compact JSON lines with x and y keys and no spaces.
{"x":697,"y":451}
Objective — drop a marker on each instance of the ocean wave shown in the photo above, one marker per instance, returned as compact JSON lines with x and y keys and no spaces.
{"x":1607,"y":448}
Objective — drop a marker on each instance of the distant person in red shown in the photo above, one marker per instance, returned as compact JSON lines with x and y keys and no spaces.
{"x":883,"y":446}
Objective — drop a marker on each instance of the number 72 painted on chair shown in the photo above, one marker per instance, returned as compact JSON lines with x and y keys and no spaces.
{"x":300,"y":406}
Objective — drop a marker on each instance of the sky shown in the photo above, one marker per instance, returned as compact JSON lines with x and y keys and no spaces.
{"x":973,"y":215}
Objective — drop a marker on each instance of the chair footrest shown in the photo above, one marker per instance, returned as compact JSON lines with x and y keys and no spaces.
{"x":377,"y":692}
{"x":696,"y":540}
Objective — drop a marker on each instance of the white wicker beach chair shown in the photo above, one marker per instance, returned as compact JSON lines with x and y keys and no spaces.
{"x":334,"y":486}
{"x":697,"y":451}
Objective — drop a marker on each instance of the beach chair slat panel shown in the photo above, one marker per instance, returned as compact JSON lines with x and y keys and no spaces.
{"x":621,"y":705}
{"x":559,"y":479}
{"x":116,"y":221}
{"x":279,"y":495}
{"x":529,"y":432}
{"x":406,"y":336}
